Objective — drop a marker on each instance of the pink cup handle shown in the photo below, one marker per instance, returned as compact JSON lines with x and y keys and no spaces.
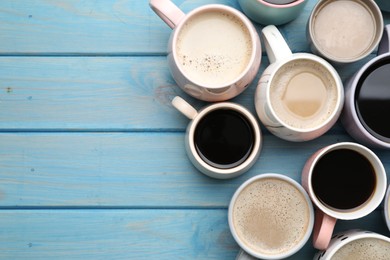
{"x":167,"y":11}
{"x":323,"y":230}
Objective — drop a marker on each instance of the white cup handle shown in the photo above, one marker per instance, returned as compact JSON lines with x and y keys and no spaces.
{"x":185,"y":108}
{"x":275,"y":45}
{"x":167,"y":11}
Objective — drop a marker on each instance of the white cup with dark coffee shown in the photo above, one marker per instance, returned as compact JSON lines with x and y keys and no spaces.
{"x":214,"y":51}
{"x":367,"y":99}
{"x":270,"y":216}
{"x":299,"y":96}
{"x":356,"y":245}
{"x":345,"y":181}
{"x":223,"y":140}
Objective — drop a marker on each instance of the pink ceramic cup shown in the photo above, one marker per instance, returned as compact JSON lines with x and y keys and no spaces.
{"x":327,"y":215}
{"x":214,"y":51}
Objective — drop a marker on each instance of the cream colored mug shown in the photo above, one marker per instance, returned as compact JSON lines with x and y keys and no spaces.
{"x":214,"y":51}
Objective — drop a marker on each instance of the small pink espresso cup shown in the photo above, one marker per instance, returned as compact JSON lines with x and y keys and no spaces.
{"x":214,"y":51}
{"x":344,"y":181}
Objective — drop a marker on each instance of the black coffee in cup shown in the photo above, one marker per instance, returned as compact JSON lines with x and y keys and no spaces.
{"x":373,"y":100}
{"x":343,"y":179}
{"x":224,"y":138}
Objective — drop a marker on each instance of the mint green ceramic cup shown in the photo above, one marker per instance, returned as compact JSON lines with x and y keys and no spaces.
{"x":266,"y":13}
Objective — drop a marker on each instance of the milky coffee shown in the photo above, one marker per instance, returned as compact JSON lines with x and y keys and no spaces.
{"x":213,"y":48}
{"x":344,"y":29}
{"x":363,"y":249}
{"x":271,"y":216}
{"x":303,"y":94}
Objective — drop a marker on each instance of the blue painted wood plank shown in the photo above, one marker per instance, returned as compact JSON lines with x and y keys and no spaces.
{"x":132,"y":234}
{"x":129,"y":170}
{"x":99,"y":94}
{"x":72,"y":27}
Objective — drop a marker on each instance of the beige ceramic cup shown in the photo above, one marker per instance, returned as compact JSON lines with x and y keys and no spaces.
{"x":344,"y":31}
{"x":214,"y":51}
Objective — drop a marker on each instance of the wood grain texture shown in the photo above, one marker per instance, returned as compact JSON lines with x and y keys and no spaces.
{"x":132,"y":234}
{"x":110,"y":27}
{"x":92,"y":158}
{"x":99,"y":93}
{"x":129,"y":170}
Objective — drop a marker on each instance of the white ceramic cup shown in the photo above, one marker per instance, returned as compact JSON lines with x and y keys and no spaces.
{"x":370,"y":128}
{"x":214,"y":51}
{"x":386,"y":208}
{"x":356,"y":244}
{"x":345,"y":194}
{"x":299,"y":96}
{"x":344,"y":31}
{"x":223,"y":140}
{"x":270,"y":217}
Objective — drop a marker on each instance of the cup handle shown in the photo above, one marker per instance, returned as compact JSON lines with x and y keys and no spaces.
{"x":167,"y":11}
{"x":185,"y":108}
{"x":275,"y":44}
{"x":384,"y":45}
{"x":323,"y":230}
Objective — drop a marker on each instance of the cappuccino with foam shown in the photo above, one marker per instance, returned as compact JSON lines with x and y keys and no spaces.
{"x":363,"y":249}
{"x":303,"y":94}
{"x":271,"y":216}
{"x":213,"y":48}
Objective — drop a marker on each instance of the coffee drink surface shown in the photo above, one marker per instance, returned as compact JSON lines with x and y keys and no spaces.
{"x":363,"y":249}
{"x":213,"y":48}
{"x":271,"y":216}
{"x":344,"y":29}
{"x":373,"y":98}
{"x":303,"y":94}
{"x":224,"y":138}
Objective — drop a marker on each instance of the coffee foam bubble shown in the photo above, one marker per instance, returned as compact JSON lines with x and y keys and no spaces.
{"x":271,"y":216}
{"x":317,"y":86}
{"x":363,"y":249}
{"x":213,"y":48}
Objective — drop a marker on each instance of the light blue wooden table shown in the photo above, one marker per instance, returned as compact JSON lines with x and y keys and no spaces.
{"x":92,"y":159}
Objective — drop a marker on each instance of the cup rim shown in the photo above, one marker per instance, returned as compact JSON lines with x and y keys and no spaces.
{"x":339,"y":85}
{"x":281,"y":6}
{"x":356,"y":79}
{"x":224,"y":173}
{"x":372,"y":6}
{"x":310,"y":224}
{"x":249,"y":26}
{"x":353,"y":235}
{"x":367,"y":207}
{"x":386,"y":207}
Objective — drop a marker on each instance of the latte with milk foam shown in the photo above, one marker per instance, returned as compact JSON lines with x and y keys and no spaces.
{"x":303,"y":94}
{"x":271,"y":216}
{"x":363,"y":249}
{"x":213,"y":48}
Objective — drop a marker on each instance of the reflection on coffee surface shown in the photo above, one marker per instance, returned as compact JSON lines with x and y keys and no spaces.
{"x":303,"y":94}
{"x":271,"y":216}
{"x":364,"y":249}
{"x":373,"y":99}
{"x":344,"y":29}
{"x":343,"y":179}
{"x":213,"y":48}
{"x":224,"y":138}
